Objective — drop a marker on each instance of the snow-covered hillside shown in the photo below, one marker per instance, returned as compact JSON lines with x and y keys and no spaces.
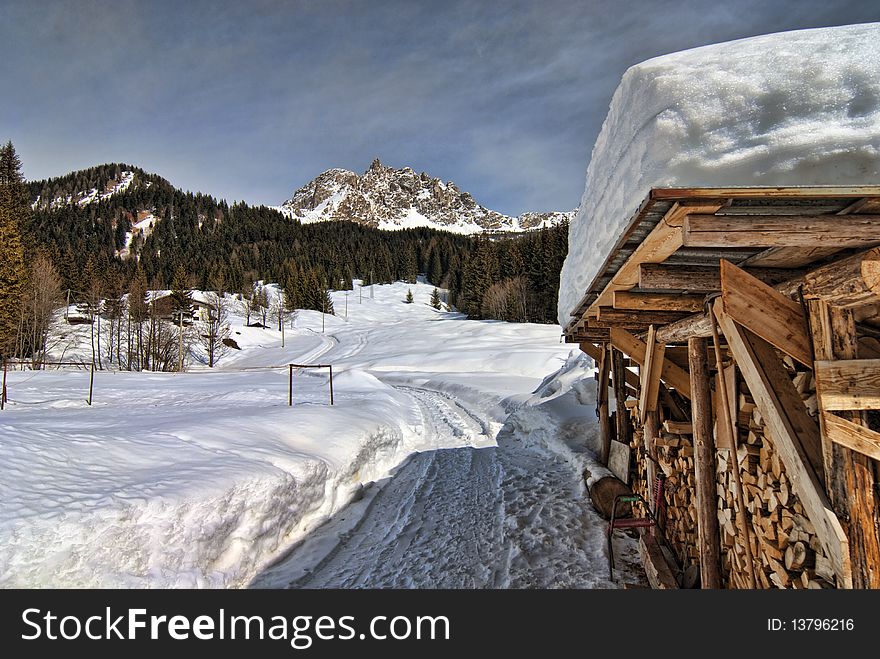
{"x":202,"y":478}
{"x":91,"y":196}
{"x":792,"y":109}
{"x":388,"y":198}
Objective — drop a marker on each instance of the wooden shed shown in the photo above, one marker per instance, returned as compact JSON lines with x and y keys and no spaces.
{"x":737,"y":333}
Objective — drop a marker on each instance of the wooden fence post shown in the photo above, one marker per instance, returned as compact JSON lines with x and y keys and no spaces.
{"x":290,"y":387}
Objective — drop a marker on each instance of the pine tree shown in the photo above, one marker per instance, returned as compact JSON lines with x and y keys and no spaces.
{"x":409,"y":296}
{"x":14,"y":214}
{"x":435,"y":299}
{"x":181,"y":294}
{"x":435,"y":271}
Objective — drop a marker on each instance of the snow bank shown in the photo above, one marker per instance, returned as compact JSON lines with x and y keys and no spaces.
{"x":795,"y":109}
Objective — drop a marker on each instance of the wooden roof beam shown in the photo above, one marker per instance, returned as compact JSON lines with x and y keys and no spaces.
{"x":702,"y":230}
{"x":702,"y":278}
{"x":636,"y":349}
{"x":641,"y":301}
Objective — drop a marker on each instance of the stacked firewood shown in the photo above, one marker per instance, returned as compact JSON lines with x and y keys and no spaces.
{"x":785,"y":548}
{"x":675,"y":457}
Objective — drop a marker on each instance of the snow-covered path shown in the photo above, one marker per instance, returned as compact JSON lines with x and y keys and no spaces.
{"x":511,"y":516}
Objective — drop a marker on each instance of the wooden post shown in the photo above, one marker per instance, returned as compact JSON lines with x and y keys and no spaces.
{"x":708,"y":535}
{"x":91,"y":382}
{"x":850,"y":477}
{"x":3,"y":390}
{"x":331,"y":384}
{"x":726,"y":418}
{"x":651,"y":430}
{"x":290,"y":387}
{"x":622,"y":416}
{"x":602,"y":404}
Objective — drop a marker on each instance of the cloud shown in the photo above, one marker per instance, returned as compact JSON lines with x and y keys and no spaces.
{"x":251,"y":100}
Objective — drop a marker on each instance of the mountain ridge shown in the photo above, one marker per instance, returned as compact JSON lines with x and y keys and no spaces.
{"x":387,"y":198}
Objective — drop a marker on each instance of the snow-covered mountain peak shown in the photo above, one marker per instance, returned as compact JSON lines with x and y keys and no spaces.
{"x":388,"y":198}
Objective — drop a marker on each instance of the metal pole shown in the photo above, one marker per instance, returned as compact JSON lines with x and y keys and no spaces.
{"x":331,"y":384}
{"x":91,"y":383}
{"x":290,"y":388}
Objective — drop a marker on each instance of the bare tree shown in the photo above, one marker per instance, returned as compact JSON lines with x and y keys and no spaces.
{"x":41,"y":299}
{"x":215,"y":329}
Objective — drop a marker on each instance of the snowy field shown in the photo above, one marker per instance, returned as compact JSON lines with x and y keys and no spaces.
{"x":208,"y":478}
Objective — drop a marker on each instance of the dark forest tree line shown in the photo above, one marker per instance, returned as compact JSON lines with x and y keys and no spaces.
{"x":148,"y":232}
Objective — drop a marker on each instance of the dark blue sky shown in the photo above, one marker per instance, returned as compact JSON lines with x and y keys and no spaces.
{"x":250,"y":100}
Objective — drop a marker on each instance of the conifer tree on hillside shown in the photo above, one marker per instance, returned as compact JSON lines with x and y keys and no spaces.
{"x":14,"y":219}
{"x":435,"y":299}
{"x":435,"y":269}
{"x":181,"y":294}
{"x":409,"y":296}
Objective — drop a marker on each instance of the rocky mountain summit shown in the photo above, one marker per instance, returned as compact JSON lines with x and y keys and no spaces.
{"x":387,"y":198}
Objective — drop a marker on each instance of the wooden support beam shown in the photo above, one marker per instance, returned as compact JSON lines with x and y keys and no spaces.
{"x":790,"y":432}
{"x":595,"y":352}
{"x":674,"y":376}
{"x":590,"y":335}
{"x":853,"y":482}
{"x":702,"y":278}
{"x":759,"y":308}
{"x":724,"y":437}
{"x":853,"y":436}
{"x":660,"y":244}
{"x":617,"y":317}
{"x":849,"y":384}
{"x":650,"y":380}
{"x":650,"y":433}
{"x":602,"y":405}
{"x":781,"y":230}
{"x":700,"y":325}
{"x":850,"y":282}
{"x":788,"y":257}
{"x":708,"y":535}
{"x":620,"y":396}
{"x":641,"y":301}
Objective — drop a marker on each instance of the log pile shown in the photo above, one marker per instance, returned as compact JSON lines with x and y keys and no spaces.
{"x":784,"y":543}
{"x":675,"y":457}
{"x":786,"y":550}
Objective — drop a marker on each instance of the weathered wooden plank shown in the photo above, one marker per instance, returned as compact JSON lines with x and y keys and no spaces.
{"x":678,"y":427}
{"x":790,"y":432}
{"x":849,"y":384}
{"x":829,"y":191}
{"x":703,"y":278}
{"x":624,"y":429}
{"x":708,"y":535}
{"x":650,"y":381}
{"x":640,"y":301}
{"x":657,"y":569}
{"x":674,"y":376}
{"x":854,"y":480}
{"x":702,"y":230}
{"x":849,"y":282}
{"x":612,"y":317}
{"x":772,"y":316}
{"x":788,"y":257}
{"x":853,"y":436}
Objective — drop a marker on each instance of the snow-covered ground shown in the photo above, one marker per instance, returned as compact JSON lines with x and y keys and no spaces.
{"x":796,"y":108}
{"x":206,"y":478}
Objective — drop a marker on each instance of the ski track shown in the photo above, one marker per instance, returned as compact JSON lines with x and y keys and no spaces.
{"x":496,"y":517}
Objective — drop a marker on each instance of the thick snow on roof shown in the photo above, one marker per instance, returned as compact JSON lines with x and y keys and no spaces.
{"x":794,"y":109}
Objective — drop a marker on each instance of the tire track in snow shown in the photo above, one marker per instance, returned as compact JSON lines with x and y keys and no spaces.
{"x":508,"y":516}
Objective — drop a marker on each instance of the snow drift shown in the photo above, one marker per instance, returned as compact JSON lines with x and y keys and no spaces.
{"x":791,"y":109}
